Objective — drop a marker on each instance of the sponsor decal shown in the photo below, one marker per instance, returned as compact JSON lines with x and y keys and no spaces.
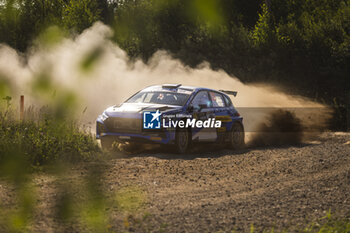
{"x":153,"y":120}
{"x":191,"y":123}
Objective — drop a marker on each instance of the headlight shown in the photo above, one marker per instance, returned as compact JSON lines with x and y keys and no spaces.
{"x":104,"y":116}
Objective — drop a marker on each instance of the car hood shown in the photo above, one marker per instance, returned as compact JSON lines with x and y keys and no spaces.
{"x":135,"y":109}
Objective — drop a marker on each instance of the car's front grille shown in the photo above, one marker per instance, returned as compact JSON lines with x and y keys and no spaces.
{"x":123,"y":125}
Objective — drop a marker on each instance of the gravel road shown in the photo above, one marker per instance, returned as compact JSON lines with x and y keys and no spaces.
{"x":281,"y":188}
{"x":220,"y":190}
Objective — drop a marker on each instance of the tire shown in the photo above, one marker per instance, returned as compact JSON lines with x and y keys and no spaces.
{"x":236,"y":140}
{"x":182,"y":141}
{"x":107,"y":143}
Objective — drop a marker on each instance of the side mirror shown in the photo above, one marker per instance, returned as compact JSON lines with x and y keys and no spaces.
{"x":192,"y":108}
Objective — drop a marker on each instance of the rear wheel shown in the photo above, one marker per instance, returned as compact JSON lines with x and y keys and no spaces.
{"x":182,"y":140}
{"x":237,"y":136}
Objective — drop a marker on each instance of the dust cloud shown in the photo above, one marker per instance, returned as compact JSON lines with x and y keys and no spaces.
{"x":113,"y":77}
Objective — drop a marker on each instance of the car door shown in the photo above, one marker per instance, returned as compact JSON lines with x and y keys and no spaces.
{"x":202,"y":110}
{"x":221,"y":112}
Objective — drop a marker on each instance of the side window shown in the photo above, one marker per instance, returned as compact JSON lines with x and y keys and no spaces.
{"x":218,"y":100}
{"x":201,"y":99}
{"x":228,"y":101}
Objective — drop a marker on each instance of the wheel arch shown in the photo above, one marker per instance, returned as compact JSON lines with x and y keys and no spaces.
{"x":237,"y":121}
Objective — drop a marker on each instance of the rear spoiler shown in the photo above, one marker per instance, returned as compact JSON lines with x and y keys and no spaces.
{"x":234,"y":93}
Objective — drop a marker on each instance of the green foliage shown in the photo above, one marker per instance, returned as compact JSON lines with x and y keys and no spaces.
{"x":136,"y":29}
{"x":329,"y":224}
{"x":208,"y":11}
{"x":9,"y":24}
{"x":42,"y":141}
{"x":129,"y":199}
{"x":91,"y":59}
{"x":294,"y":42}
{"x":19,"y":219}
{"x":81,"y":14}
{"x":21,"y":21}
{"x":51,"y":36}
{"x":326,"y":224}
{"x":304,"y":43}
{"x":262,"y":32}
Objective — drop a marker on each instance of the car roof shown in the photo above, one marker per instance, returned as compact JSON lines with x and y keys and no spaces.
{"x":177,"y":88}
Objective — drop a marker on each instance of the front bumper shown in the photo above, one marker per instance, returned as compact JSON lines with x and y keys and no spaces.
{"x":132,"y":132}
{"x":142,"y":138}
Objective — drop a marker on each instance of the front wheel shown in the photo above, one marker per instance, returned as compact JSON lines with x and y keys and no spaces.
{"x":182,"y":140}
{"x":237,"y":136}
{"x":107,"y":143}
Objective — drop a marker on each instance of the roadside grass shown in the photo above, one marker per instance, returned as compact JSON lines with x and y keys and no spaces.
{"x":44,"y":140}
{"x":327,"y":224}
{"x":43,"y":144}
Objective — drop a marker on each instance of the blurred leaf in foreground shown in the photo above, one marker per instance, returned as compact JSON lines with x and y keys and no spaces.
{"x":90,"y":59}
{"x":208,"y":11}
{"x":51,"y":36}
{"x":130,"y":199}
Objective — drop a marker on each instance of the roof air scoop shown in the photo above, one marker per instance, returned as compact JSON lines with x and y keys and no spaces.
{"x":171,"y":86}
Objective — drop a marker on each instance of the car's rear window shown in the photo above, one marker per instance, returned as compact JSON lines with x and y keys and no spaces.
{"x":168,"y":98}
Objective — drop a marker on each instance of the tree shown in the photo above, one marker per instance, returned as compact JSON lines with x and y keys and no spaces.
{"x":81,"y":14}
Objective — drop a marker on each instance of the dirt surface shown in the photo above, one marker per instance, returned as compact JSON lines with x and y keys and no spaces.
{"x":280,"y":188}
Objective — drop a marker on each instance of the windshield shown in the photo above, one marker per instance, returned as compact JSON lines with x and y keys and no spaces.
{"x":168,"y":98}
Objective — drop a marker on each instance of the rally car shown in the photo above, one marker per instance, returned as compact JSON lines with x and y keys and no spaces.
{"x":172,"y":114}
